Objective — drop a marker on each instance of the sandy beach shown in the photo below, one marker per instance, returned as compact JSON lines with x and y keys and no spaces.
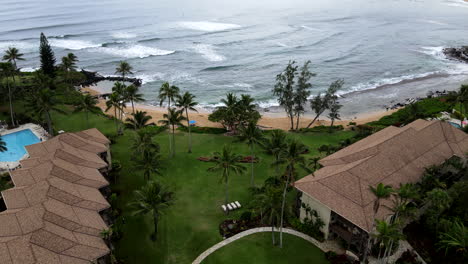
{"x":268,"y":121}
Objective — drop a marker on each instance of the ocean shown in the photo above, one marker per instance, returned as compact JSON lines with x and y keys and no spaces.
{"x":384,"y":50}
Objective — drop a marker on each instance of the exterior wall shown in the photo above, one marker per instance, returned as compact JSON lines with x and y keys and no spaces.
{"x":323,"y":211}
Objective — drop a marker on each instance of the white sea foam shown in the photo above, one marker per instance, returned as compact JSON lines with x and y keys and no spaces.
{"x":72,"y":44}
{"x":451,"y":66}
{"x":310,"y":28}
{"x":21,"y":45}
{"x":457,"y":3}
{"x":207,"y":26}
{"x":28,"y":69}
{"x":436,"y":52}
{"x":281,"y":44}
{"x":168,"y":76}
{"x":134,"y":51}
{"x":208,"y":52}
{"x":123,"y":35}
{"x":385,"y":81}
{"x":434,"y":22}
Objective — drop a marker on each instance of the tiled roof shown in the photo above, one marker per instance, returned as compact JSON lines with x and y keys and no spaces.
{"x":52,"y":212}
{"x":390,"y":156}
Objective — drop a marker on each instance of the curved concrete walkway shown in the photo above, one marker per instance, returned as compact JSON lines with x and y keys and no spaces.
{"x":325,"y":246}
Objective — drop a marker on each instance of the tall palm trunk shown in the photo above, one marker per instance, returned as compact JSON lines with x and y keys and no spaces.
{"x":11,"y":94}
{"x":133,"y":107}
{"x":173,"y":140}
{"x":11,"y":104}
{"x":273,"y":234}
{"x":87,"y":118}
{"x":49,"y":123}
{"x":189,"y":132}
{"x":291,"y":119}
{"x":115,"y":119}
{"x":252,"y":165}
{"x":226,"y":190}
{"x":282,"y":207}
{"x":155,"y":222}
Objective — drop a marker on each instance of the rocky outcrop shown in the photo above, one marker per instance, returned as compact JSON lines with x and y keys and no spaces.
{"x":94,"y":77}
{"x":460,"y":54}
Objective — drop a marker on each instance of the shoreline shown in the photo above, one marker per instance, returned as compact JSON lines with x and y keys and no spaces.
{"x":268,"y":120}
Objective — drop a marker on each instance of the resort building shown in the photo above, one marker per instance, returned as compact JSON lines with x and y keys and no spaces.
{"x":340,"y":192}
{"x":53,"y":212}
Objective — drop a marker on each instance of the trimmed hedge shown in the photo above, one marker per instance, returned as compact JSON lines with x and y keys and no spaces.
{"x":203,"y":130}
{"x":321,"y":129}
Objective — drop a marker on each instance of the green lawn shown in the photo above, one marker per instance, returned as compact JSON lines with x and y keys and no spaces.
{"x":258,"y":248}
{"x":190,"y":226}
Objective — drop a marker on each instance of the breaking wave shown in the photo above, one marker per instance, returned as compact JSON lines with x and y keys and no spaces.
{"x":208,"y":52}
{"x":73,"y":44}
{"x":134,"y":51}
{"x":207,"y":26}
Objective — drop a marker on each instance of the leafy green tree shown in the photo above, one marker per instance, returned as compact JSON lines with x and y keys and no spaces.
{"x":120,"y":90}
{"x":42,"y":103}
{"x":320,"y":104}
{"x":291,"y":157}
{"x":152,"y":199}
{"x":334,"y":112}
{"x":7,"y":70}
{"x":114,"y":102}
{"x":284,"y":90}
{"x":187,"y":102}
{"x":133,"y":96}
{"x":168,"y":92}
{"x":124,"y":68}
{"x":139,"y":120}
{"x":252,"y":135}
{"x":68,"y":65}
{"x":275,"y":145}
{"x":226,"y":162}
{"x":3,"y":147}
{"x":87,"y":103}
{"x":235,"y":112}
{"x":380,"y":192}
{"x":150,"y":162}
{"x":172,"y":119}
{"x":47,"y":57}
{"x":455,"y":238}
{"x":302,"y":92}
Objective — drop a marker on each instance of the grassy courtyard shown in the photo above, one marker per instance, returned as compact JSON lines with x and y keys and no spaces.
{"x":190,"y":226}
{"x":257,"y":248}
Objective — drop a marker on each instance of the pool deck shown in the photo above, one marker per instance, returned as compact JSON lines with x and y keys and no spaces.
{"x":37,"y":130}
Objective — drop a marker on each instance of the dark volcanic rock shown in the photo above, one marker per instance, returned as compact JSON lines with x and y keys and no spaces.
{"x":460,"y":54}
{"x":94,"y":77}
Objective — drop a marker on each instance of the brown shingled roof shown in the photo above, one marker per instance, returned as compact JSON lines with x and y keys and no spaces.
{"x":53,"y":210}
{"x":391,"y":156}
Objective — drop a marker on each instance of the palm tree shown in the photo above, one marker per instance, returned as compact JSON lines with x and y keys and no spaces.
{"x":3,"y":147}
{"x":120,"y":89}
{"x":12,"y":55}
{"x":227,"y":162}
{"x":275,"y":145}
{"x":41,"y":103}
{"x":173,"y":118}
{"x":168,"y":92}
{"x":269,"y":204}
{"x":291,"y":157}
{"x":123,"y":69}
{"x":252,"y":135}
{"x":7,"y":70}
{"x":87,"y":103}
{"x":149,"y":162}
{"x":114,"y":102}
{"x":140,"y":119}
{"x":186,"y":102}
{"x":456,"y":237}
{"x":143,"y":141}
{"x":381,"y":191}
{"x":386,"y":234}
{"x":152,"y":199}
{"x":133,"y":96}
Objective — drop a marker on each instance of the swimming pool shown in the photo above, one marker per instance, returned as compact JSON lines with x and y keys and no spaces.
{"x":15,"y":143}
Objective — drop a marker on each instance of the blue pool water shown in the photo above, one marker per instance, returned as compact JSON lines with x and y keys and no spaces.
{"x":15,"y":143}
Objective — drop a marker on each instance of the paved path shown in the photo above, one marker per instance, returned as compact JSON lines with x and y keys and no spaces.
{"x":325,"y":246}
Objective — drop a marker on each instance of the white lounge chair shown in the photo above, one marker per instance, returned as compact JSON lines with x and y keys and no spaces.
{"x":229,"y":207}
{"x":224,"y":208}
{"x":233,"y":205}
{"x":238,"y":204}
